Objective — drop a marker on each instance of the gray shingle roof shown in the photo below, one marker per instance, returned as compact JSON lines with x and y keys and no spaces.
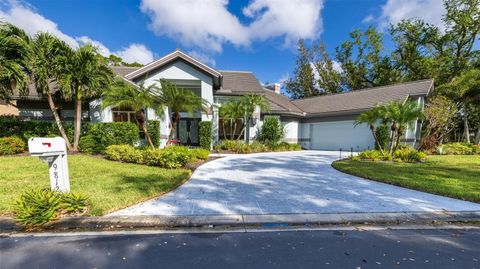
{"x":362,"y":100}
{"x":280,"y":104}
{"x":123,"y":70}
{"x":238,"y":83}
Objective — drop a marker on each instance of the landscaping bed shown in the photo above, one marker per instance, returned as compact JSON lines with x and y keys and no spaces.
{"x":453,"y":176}
{"x":109,"y":185}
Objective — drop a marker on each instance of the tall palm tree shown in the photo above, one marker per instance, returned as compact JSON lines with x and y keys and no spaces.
{"x":371,"y":118}
{"x":399,"y":115}
{"x":249,"y":103}
{"x":84,"y":74}
{"x":46,"y":50}
{"x":177,"y":100}
{"x":139,"y":98}
{"x":14,"y":57}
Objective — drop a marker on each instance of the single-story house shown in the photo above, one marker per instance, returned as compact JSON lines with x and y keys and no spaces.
{"x":323,"y":122}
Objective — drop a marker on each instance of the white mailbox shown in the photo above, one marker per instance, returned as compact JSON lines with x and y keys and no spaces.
{"x":54,"y":152}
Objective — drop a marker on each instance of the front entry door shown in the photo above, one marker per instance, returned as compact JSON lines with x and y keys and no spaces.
{"x":187,"y":131}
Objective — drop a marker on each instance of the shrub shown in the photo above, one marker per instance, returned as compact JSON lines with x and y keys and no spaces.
{"x":124,"y":153}
{"x":111,"y":133}
{"x":409,"y":154}
{"x":153,"y":127}
{"x":271,"y":131}
{"x":72,"y":202}
{"x":475,"y":149}
{"x":11,"y":145}
{"x":456,"y":148}
{"x":13,"y":126}
{"x":370,"y":155}
{"x":170,"y":157}
{"x":383,"y":135}
{"x":87,"y":144}
{"x":256,"y":146}
{"x":205,"y":134}
{"x":37,"y":207}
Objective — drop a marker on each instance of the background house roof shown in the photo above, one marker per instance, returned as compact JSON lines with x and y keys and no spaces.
{"x":239,"y":83}
{"x":280,"y":104}
{"x":362,"y":100}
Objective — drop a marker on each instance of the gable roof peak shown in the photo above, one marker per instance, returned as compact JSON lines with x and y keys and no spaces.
{"x":173,"y":56}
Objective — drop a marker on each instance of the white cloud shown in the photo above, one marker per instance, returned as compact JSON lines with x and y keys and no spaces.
{"x":32,"y":22}
{"x":136,"y":53}
{"x":28,"y":19}
{"x":202,"y":57}
{"x":205,"y":24}
{"x":368,"y":19}
{"x":208,"y":24}
{"x":430,"y":11}
{"x":292,"y":19}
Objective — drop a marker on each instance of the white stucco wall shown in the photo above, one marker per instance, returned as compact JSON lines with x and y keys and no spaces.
{"x":99,"y":114}
{"x":291,"y":128}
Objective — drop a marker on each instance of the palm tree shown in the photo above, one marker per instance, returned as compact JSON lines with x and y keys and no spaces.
{"x":230,"y":112}
{"x":125,"y":93}
{"x":465,"y":89}
{"x":399,"y":115}
{"x":46,"y":49}
{"x":177,"y":100}
{"x":14,"y":57}
{"x":248,"y":104}
{"x":371,"y":118}
{"x":84,"y":74}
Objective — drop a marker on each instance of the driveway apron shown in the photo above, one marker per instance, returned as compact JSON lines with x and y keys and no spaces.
{"x":287,"y":183}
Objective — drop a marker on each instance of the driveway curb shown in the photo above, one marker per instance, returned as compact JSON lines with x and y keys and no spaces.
{"x":140,"y":222}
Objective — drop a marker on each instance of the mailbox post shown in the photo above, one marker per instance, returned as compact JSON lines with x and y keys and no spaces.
{"x":54,"y":152}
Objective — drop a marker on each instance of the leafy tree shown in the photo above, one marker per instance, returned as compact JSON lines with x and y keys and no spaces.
{"x":302,"y":84}
{"x":363,"y":62}
{"x":46,"y":49}
{"x":439,"y":115}
{"x":329,"y":79}
{"x":84,"y":74}
{"x":177,"y":100}
{"x":465,"y":90}
{"x":462,"y":20}
{"x":416,"y":49}
{"x":14,"y":58}
{"x":138,"y":98}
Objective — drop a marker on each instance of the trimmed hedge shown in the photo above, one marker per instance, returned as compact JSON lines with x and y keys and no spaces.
{"x":11,"y":145}
{"x":153,"y":127}
{"x":238,"y":146}
{"x":13,"y":126}
{"x":383,"y":135}
{"x":98,"y":136}
{"x":170,"y":157}
{"x":205,"y":134}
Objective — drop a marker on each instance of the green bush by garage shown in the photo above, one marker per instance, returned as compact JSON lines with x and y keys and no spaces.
{"x":205,"y":134}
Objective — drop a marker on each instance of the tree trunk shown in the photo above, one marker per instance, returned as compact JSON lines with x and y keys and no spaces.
{"x":372,"y":128}
{"x":478,"y":136}
{"x":234,"y":128}
{"x":78,"y":124}
{"x":143,"y":125}
{"x":465,"y":123}
{"x":394,"y":136}
{"x":176,"y":118}
{"x":58,"y":121}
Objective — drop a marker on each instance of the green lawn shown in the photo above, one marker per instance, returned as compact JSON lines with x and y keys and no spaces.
{"x":110,"y":185}
{"x":453,"y":176}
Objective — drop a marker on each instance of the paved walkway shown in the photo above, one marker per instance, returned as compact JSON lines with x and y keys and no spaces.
{"x":287,"y":183}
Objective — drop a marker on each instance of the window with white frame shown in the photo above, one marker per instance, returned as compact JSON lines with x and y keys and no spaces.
{"x":123,"y":114}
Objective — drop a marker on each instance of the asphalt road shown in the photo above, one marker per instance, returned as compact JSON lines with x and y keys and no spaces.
{"x":286,"y":249}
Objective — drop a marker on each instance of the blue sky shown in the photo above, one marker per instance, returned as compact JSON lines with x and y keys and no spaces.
{"x":256,"y":35}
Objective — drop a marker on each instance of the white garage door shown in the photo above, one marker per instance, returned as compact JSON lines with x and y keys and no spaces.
{"x":340,"y":134}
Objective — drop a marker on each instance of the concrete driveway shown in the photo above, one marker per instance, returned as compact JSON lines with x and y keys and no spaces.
{"x":287,"y":183}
